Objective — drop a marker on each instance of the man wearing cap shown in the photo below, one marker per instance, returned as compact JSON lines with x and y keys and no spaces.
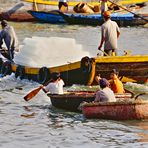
{"x":9,"y":36}
{"x":106,"y":94}
{"x":109,"y":34}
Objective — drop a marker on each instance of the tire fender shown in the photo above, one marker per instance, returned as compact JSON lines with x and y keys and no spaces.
{"x":43,"y":75}
{"x":6,"y":68}
{"x":20,"y":71}
{"x":86,"y":65}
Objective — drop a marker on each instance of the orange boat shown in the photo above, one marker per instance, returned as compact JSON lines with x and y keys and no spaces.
{"x":19,"y":16}
{"x":122,"y":110}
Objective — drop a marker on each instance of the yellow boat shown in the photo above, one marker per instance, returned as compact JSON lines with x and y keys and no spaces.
{"x":72,"y":3}
{"x":132,"y":69}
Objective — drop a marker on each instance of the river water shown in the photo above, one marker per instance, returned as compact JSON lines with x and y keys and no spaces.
{"x":37,"y":123}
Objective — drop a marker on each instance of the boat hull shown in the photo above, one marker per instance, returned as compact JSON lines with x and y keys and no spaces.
{"x":48,"y":17}
{"x":57,"y":17}
{"x":71,"y":101}
{"x":19,"y":16}
{"x":131,"y":69}
{"x":96,"y":19}
{"x":117,"y":110}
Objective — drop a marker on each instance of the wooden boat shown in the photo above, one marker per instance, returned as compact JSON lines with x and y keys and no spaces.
{"x":19,"y":16}
{"x":126,"y":19}
{"x":132,"y":69}
{"x":72,"y":100}
{"x":124,"y":110}
{"x":73,"y":3}
{"x":53,"y":16}
{"x":123,"y":19}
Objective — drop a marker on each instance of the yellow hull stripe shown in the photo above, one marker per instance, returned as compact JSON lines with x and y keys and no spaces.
{"x":122,"y":59}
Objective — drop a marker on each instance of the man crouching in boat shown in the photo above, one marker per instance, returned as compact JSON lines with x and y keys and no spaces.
{"x":9,"y":36}
{"x":106,"y":94}
{"x":109,"y":35}
{"x":115,"y":84}
{"x":55,"y":85}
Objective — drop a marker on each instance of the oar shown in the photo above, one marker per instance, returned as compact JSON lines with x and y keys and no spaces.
{"x":136,"y":97}
{"x":128,"y":91}
{"x":128,"y":11}
{"x":34,"y":92}
{"x":13,"y":9}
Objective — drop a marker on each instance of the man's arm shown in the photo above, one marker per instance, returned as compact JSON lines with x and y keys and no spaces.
{"x":1,"y":38}
{"x":118,"y":34}
{"x":102,"y":39}
{"x":44,"y":89}
{"x":118,"y":30}
{"x":101,"y":43}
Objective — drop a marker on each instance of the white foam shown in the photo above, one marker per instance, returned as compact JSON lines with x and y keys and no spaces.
{"x":49,"y":52}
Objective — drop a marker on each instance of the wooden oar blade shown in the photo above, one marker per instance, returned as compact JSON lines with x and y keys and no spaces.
{"x":30,"y":95}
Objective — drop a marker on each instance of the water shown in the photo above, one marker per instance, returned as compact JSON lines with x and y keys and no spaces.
{"x":38,"y":124}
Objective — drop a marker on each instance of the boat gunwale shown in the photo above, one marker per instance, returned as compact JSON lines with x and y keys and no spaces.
{"x":118,"y":103}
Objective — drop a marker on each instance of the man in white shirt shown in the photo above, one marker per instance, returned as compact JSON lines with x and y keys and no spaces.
{"x":56,"y":84}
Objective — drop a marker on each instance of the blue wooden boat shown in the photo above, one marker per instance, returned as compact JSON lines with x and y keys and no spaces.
{"x":57,"y":17}
{"x":123,"y":19}
{"x":52,"y":17}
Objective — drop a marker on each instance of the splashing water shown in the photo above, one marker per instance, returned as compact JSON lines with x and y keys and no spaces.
{"x":42,"y":51}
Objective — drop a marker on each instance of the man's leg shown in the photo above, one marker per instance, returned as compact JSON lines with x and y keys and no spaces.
{"x":108,"y":52}
{"x":11,"y":54}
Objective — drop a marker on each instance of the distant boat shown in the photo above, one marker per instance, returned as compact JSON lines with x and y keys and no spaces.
{"x":57,"y":17}
{"x":53,"y":16}
{"x":73,"y":3}
{"x":122,"y":19}
{"x":19,"y":16}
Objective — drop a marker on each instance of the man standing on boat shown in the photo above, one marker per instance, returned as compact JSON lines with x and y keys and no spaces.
{"x":63,"y":5}
{"x":103,"y":6}
{"x":109,"y":35}
{"x":9,"y":36}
